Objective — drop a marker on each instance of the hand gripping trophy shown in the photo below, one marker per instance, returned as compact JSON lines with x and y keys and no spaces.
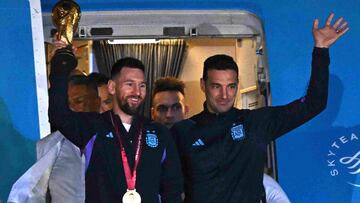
{"x":65,"y":16}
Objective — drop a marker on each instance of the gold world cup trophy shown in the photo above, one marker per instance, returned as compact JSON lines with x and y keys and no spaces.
{"x":65,"y":15}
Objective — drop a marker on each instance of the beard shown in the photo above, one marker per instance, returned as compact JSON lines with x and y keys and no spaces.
{"x":126,"y":108}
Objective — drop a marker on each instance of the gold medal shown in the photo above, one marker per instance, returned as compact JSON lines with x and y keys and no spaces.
{"x":131,"y":196}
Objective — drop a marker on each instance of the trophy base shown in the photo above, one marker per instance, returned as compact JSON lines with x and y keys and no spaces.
{"x":64,"y":58}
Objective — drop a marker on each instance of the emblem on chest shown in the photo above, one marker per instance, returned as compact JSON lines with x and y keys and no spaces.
{"x":237,"y":132}
{"x":151,"y":139}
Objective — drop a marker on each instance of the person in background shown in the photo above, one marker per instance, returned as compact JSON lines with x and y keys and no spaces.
{"x":168,"y":101}
{"x":59,"y":173}
{"x":83,"y":94}
{"x":274,"y":192}
{"x":101,"y":81}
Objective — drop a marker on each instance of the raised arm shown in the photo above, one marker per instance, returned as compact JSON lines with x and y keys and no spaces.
{"x":77,"y":127}
{"x":281,"y":119}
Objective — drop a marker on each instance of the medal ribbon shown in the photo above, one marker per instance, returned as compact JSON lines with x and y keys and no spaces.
{"x":129,"y":175}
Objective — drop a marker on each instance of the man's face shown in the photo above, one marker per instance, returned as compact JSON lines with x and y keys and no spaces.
{"x":105,"y":99}
{"x":82,"y":99}
{"x":220,"y":90}
{"x":168,"y":108}
{"x":129,"y":90}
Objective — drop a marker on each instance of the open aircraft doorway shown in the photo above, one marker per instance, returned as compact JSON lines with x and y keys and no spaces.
{"x":203,"y":33}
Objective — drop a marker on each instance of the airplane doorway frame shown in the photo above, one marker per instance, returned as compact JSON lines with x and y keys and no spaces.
{"x":178,"y":24}
{"x":40,"y":66}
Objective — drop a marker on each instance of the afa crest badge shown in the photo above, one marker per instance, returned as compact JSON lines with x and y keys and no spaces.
{"x":237,"y":132}
{"x":151,"y":139}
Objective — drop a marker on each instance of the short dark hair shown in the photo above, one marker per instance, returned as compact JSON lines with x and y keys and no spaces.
{"x":168,"y":84}
{"x":99,"y":79}
{"x":219,"y":62}
{"x":126,"y":62}
{"x":82,"y":80}
{"x":78,"y":80}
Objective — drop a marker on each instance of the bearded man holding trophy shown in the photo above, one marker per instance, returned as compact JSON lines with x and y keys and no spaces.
{"x":123,"y":156}
{"x":128,"y":158}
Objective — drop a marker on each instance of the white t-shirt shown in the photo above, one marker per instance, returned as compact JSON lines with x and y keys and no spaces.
{"x":126,"y":126}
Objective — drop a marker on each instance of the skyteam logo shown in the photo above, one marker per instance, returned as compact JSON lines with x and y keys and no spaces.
{"x":352,"y":163}
{"x":344,"y":159}
{"x":237,"y":132}
{"x":151,"y":139}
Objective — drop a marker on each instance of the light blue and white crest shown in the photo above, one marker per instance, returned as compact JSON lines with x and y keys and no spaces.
{"x":152,"y":140}
{"x":237,"y":132}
